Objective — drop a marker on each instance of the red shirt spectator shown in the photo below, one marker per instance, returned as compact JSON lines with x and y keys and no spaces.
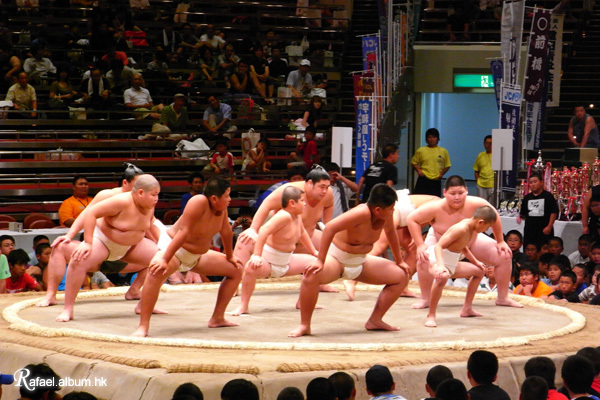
{"x":21,"y":284}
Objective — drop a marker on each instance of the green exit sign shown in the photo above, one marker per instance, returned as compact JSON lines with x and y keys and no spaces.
{"x":473,"y":81}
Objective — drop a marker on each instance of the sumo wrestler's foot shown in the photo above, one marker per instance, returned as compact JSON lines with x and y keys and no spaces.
{"x":220,"y":323}
{"x":317,"y":307}
{"x":379,"y":326}
{"x":430,"y":322}
{"x":408,"y":293}
{"x":64,"y":316}
{"x":508,"y":302}
{"x":48,"y":300}
{"x":133,"y":295}
{"x":350,"y":287}
{"x":420,"y":304}
{"x":327,"y":289}
{"x":300,"y":331}
{"x":138,"y":310}
{"x":469,"y":312}
{"x":140,"y":332}
{"x":239,"y":311}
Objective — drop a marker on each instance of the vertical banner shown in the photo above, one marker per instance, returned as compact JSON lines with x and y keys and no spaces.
{"x":510,"y":106}
{"x":535,"y":78}
{"x":370,"y":45}
{"x":497,"y":68}
{"x":555,"y":60}
{"x":363,"y":136}
{"x":511,"y":32}
{"x":537,"y":56}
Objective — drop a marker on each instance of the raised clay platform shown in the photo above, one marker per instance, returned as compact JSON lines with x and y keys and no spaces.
{"x":97,"y":345}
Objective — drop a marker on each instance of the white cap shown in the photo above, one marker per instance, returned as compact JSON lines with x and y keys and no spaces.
{"x":305,"y":62}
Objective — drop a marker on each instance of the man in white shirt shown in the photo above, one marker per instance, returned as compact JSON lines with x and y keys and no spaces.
{"x":138,"y":99}
{"x":216,"y":43}
{"x":38,"y":66}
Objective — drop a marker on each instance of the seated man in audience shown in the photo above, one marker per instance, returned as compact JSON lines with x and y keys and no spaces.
{"x":38,"y":66}
{"x":300,"y":81}
{"x":169,"y":41}
{"x":544,"y":368}
{"x":96,"y":91}
{"x":138,"y":99}
{"x":7,"y":244}
{"x":10,"y":65}
{"x":228,"y":62}
{"x":23,"y":97}
{"x":482,"y":371}
{"x":196,"y":181}
{"x":173,"y":120}
{"x":278,"y":67}
{"x":217,"y":118}
{"x":19,"y":280}
{"x":74,"y":205}
{"x":212,"y":41}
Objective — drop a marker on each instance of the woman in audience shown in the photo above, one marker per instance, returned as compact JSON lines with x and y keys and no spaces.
{"x":313,"y":113}
{"x":62,"y":93}
{"x":208,"y":65}
{"x":259,"y":73}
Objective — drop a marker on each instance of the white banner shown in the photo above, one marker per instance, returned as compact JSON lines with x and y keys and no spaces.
{"x":554,"y":69}
{"x":511,"y":37}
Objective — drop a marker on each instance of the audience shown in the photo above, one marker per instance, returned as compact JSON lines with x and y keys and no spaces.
{"x":138,"y":99}
{"x":222,"y":161}
{"x":530,"y":284}
{"x":534,"y":388}
{"x":577,"y":374}
{"x":217,"y":118}
{"x":482,"y":371}
{"x":320,"y":389}
{"x":19,"y":280}
{"x":435,"y":376}
{"x":290,"y":393}
{"x":380,"y":384}
{"x":43,"y":383}
{"x":239,"y":389}
{"x":23,"y":97}
{"x":196,"y":181}
{"x":188,"y":389}
{"x":453,"y":389}
{"x":544,"y":367}
{"x":345,"y":387}
{"x":300,"y":81}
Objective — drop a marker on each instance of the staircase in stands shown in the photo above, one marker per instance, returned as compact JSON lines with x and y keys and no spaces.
{"x":580,"y":85}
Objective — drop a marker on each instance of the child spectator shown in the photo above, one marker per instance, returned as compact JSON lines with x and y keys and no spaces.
{"x":539,"y":210}
{"x":543,"y":263}
{"x":482,"y":371}
{"x":43,"y":382}
{"x":582,"y":254}
{"x":514,"y":240}
{"x":196,"y":181}
{"x":592,"y":354}
{"x":594,"y":257}
{"x":578,"y":375}
{"x":566,"y":288}
{"x":99,"y":281}
{"x":557,"y":266}
{"x":7,"y":244}
{"x":588,"y":294}
{"x":453,"y":389}
{"x":532,"y":251}
{"x":582,"y":276}
{"x":256,"y":159}
{"x":37,"y":240}
{"x":435,"y":376}
{"x":380,"y":383}
{"x":4,"y":273}
{"x":320,"y":389}
{"x":222,"y":160}
{"x":19,"y":280}
{"x":344,"y":386}
{"x":38,"y":271}
{"x":534,"y":388}
{"x":530,"y":282}
{"x":307,"y":150}
{"x":290,"y":393}
{"x":188,"y":390}
{"x":544,"y":368}
{"x":239,"y":389}
{"x":556,"y":246}
{"x":488,"y":282}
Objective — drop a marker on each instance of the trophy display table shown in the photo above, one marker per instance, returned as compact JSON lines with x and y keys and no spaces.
{"x":569,"y":231}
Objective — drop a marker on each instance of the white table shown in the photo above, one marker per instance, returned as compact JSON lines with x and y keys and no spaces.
{"x":24,"y":240}
{"x":569,"y":231}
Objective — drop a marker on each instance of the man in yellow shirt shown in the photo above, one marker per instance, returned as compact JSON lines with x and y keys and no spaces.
{"x":431,"y":163}
{"x":484,"y":175}
{"x":74,"y":205}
